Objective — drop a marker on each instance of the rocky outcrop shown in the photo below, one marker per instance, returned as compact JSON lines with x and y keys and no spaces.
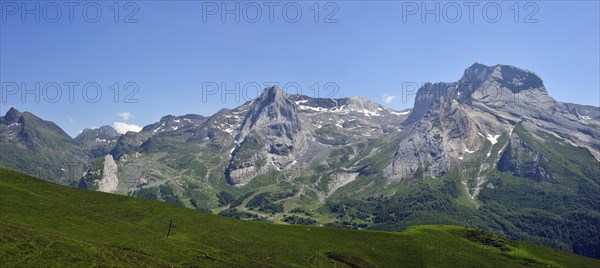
{"x":110,"y":181}
{"x":522,"y":161}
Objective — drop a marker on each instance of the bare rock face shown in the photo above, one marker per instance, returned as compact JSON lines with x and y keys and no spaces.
{"x":521,"y":160}
{"x":281,"y":132}
{"x":110,"y":181}
{"x":275,"y":132}
{"x":426,"y":96}
{"x":455,"y":123}
{"x":270,"y":136}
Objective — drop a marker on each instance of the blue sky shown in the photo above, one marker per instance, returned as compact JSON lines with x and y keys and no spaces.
{"x":169,"y":52}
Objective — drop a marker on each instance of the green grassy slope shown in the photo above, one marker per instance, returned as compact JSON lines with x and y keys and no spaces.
{"x":43,"y":224}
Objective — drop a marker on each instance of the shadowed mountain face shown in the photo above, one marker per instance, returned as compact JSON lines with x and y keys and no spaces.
{"x":41,"y":148}
{"x":98,"y":141}
{"x":98,"y":134}
{"x":492,"y":150}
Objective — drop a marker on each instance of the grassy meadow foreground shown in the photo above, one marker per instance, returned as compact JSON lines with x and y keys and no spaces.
{"x":43,"y":224}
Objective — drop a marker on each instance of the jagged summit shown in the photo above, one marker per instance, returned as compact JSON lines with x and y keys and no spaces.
{"x":456,"y":121}
{"x":272,"y":93}
{"x":477,"y":72}
{"x":272,"y":128}
{"x":504,"y":75}
{"x":499,"y":86}
{"x":12,"y":116}
{"x":269,"y":95}
{"x":272,"y":106}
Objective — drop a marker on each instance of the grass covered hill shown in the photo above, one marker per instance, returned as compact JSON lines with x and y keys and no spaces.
{"x":43,"y":224}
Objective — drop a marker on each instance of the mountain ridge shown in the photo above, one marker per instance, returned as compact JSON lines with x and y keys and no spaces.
{"x":353,"y":163}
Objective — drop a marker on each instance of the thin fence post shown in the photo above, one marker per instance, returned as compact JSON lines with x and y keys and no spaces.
{"x":170,"y":226}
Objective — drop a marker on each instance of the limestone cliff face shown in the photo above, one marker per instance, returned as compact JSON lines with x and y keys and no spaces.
{"x":110,"y":181}
{"x":461,"y":122}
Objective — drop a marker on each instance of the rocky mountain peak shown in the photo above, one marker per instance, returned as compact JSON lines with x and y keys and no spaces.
{"x":12,"y":116}
{"x":104,"y":132}
{"x":272,"y":106}
{"x":360,"y":103}
{"x":452,"y":122}
{"x":490,"y":78}
{"x":477,"y":72}
{"x":270,"y":132}
{"x":272,"y":94}
{"x":108,"y":130}
{"x":167,"y":118}
{"x":519,"y":79}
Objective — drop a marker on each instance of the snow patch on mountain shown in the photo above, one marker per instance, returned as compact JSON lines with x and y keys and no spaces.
{"x":398,"y":113}
{"x":370,"y":113}
{"x":493,"y":138}
{"x":315,"y":109}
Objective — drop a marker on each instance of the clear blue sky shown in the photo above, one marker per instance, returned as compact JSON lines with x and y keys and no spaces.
{"x":170,"y":52}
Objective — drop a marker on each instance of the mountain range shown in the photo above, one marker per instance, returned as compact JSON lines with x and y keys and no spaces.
{"x":492,"y":151}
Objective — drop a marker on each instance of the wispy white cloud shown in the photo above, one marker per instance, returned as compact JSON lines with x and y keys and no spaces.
{"x":123,"y":127}
{"x":387,"y":98}
{"x":71,"y":120}
{"x":125,"y":115}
